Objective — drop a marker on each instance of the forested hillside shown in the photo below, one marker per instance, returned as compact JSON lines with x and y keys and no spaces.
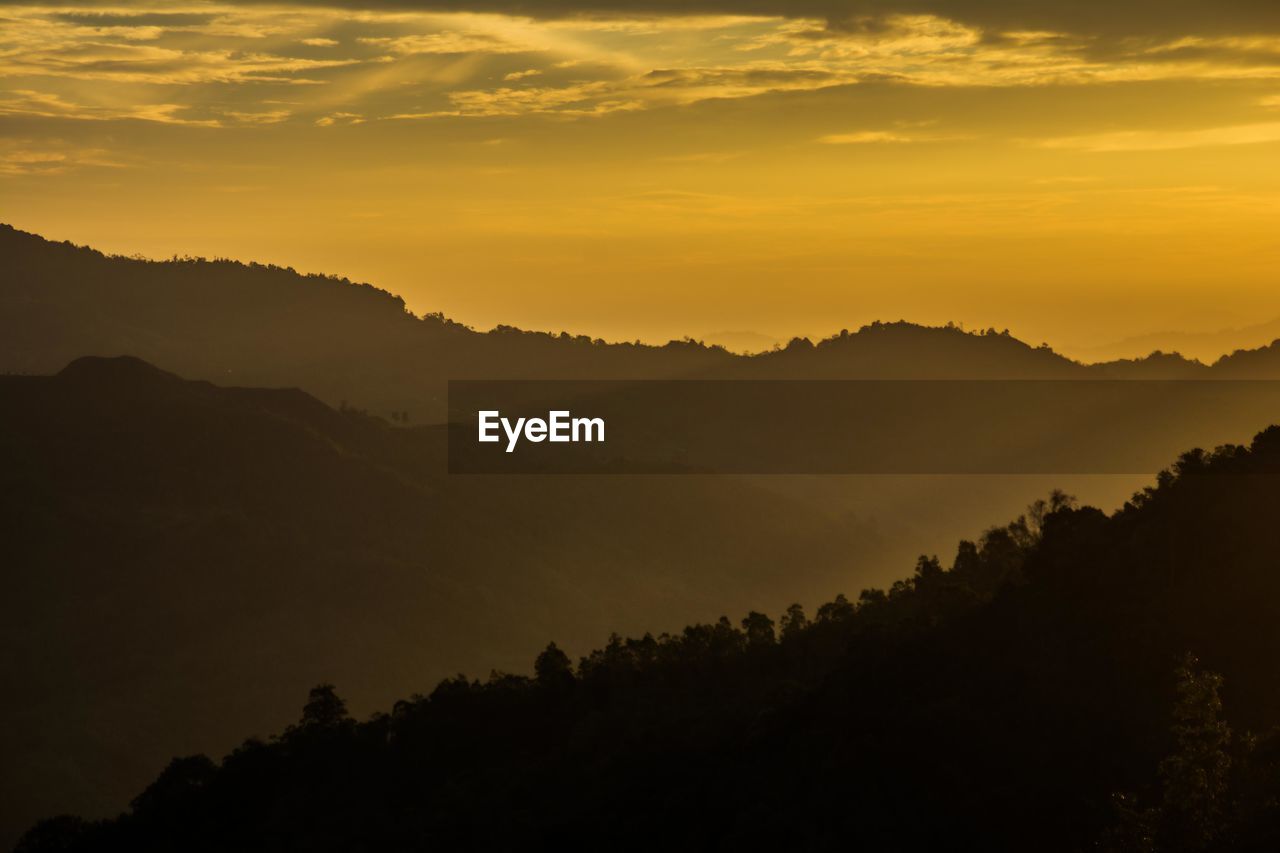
{"x":1068,"y":680}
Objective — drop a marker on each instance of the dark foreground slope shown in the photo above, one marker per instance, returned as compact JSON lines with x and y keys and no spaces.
{"x":181,"y":560}
{"x":1002,"y":703}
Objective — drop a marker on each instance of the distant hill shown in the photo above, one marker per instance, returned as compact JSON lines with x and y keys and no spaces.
{"x":1205,"y":346}
{"x":250,"y":324}
{"x":1071,"y":681}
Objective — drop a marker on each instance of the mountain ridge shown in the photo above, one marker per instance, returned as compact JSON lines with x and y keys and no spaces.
{"x":269,"y":326}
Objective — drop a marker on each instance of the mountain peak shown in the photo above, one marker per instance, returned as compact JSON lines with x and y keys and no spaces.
{"x":115,"y":369}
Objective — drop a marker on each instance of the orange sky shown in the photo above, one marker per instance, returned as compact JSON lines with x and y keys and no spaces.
{"x":1080,"y":177}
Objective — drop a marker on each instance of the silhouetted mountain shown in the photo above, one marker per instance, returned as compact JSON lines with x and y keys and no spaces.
{"x":182,"y":558}
{"x":258,"y":325}
{"x":268,"y":326}
{"x":1250,"y":363}
{"x":1161,"y":365}
{"x":907,"y":351}
{"x":1035,"y":695}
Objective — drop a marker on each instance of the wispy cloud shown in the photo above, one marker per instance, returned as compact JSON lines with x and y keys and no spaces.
{"x":339,"y":118}
{"x":29,"y":102}
{"x":865,"y":137}
{"x":445,"y":43}
{"x":903,"y":133}
{"x":26,"y":157}
{"x":139,"y":63}
{"x":1168,"y":140}
{"x":260,"y":117}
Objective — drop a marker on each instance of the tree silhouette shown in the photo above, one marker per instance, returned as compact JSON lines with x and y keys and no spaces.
{"x":552,"y":668}
{"x":1194,"y":777}
{"x":793,"y":622}
{"x":324,"y":709}
{"x":177,"y":786}
{"x":835,"y":610}
{"x":758,"y":629}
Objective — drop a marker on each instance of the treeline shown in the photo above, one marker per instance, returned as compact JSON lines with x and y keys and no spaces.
{"x":430,"y":770}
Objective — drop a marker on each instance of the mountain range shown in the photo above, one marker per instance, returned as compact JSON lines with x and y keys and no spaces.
{"x":255,"y":325}
{"x":207,"y":511}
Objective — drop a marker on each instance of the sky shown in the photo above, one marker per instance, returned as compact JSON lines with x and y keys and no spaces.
{"x":1081,"y":173}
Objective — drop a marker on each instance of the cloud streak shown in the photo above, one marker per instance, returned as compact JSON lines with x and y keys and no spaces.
{"x":1170,"y":140}
{"x":27,"y":102}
